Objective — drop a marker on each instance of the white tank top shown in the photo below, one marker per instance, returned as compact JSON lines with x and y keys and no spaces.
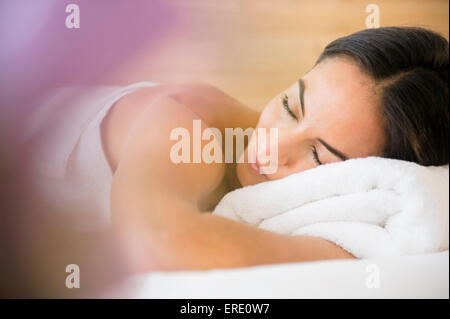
{"x":69,"y":169}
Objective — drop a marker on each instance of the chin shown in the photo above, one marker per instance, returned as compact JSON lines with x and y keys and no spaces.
{"x":245,"y":176}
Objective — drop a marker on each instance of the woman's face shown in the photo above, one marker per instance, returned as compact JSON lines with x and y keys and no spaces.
{"x":336,"y":117}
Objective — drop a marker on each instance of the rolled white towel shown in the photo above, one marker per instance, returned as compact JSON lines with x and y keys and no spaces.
{"x":369,"y":206}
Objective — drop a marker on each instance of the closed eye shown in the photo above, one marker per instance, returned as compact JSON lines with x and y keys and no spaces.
{"x":316,"y":156}
{"x":287,"y":108}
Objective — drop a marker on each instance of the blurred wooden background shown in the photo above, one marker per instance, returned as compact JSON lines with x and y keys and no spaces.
{"x":254,"y":49}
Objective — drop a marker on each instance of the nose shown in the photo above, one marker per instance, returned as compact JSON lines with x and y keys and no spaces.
{"x":285,"y":145}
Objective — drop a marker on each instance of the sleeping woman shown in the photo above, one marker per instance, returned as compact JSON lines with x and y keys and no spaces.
{"x":378,"y":92}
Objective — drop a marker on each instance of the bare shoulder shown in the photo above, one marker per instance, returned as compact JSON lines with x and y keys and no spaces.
{"x":146,"y":155}
{"x":202,"y":91}
{"x":213,"y":105}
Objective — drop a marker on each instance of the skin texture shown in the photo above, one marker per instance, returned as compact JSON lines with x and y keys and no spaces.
{"x":157,"y":205}
{"x":340,"y":108}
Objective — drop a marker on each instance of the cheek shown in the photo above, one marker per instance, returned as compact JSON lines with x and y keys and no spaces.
{"x":270,"y":116}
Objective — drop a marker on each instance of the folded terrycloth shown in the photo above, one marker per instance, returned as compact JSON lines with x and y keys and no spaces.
{"x":369,"y":206}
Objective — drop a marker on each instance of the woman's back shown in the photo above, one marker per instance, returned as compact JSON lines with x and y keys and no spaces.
{"x":194,"y":102}
{"x":75,"y":140}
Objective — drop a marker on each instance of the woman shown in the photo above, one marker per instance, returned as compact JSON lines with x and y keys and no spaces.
{"x":378,"y":92}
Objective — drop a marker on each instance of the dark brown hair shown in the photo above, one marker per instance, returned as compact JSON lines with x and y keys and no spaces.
{"x":410,"y":66}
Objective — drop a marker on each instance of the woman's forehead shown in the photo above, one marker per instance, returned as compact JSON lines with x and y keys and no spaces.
{"x":341,"y":77}
{"x":342,"y":106}
{"x":337,"y":85}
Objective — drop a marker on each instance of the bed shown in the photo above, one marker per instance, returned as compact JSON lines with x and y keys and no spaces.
{"x":414,"y":276}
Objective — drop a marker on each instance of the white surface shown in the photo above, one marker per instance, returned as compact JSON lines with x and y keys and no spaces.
{"x":417,"y":276}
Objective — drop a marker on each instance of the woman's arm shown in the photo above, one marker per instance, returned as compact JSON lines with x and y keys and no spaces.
{"x":153,"y":203}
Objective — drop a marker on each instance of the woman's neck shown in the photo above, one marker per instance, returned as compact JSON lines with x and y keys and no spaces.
{"x":231,"y":177}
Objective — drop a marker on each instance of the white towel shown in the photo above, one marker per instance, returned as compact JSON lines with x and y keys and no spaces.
{"x":369,"y":206}
{"x":69,"y":170}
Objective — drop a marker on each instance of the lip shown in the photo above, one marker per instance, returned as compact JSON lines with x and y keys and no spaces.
{"x":255,"y":168}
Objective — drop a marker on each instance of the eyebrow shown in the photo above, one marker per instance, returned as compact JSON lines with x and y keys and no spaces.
{"x":339,"y":154}
{"x":301,"y":88}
